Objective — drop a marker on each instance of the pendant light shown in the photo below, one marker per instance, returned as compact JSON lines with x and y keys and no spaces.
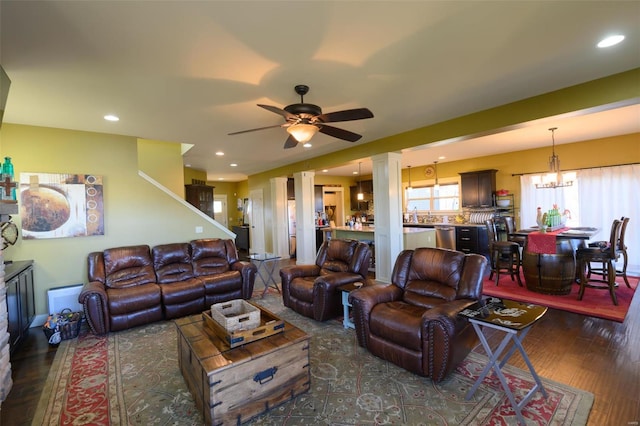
{"x":409,"y":187}
{"x":437,"y":185}
{"x":360,"y":194}
{"x":554,"y":178}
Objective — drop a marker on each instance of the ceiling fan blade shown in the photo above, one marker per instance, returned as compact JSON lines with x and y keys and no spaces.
{"x":346,"y":115}
{"x":339,"y":133}
{"x":291,"y":142}
{"x":255,"y":130}
{"x":280,"y":111}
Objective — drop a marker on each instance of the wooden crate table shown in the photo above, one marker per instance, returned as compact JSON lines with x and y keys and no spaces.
{"x":234,"y":385}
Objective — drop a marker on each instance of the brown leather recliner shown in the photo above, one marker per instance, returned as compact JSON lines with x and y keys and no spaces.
{"x":215,"y":262}
{"x":182,"y":293}
{"x":414,"y":322}
{"x":122,"y":291}
{"x":311,"y":290}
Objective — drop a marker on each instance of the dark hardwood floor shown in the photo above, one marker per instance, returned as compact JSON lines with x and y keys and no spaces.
{"x":600,"y":356}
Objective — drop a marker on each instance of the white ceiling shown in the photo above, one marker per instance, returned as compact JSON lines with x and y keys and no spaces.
{"x":192,"y":72}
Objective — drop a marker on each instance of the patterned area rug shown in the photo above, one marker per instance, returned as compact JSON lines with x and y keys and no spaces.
{"x":132,"y":378}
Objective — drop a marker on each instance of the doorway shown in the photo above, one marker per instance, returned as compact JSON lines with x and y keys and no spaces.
{"x":333,"y":202}
{"x":220,"y":209}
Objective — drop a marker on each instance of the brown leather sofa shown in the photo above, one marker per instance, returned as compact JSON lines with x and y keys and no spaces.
{"x":311,"y":290}
{"x":135,"y":285}
{"x":413,"y":322}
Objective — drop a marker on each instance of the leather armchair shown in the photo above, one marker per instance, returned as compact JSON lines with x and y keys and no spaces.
{"x":413,"y":322}
{"x":215,"y":262}
{"x":122,"y":291}
{"x":182,"y":293}
{"x":311,"y":290}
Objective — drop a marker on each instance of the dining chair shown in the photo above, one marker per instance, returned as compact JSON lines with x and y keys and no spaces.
{"x":621,"y":248}
{"x":503,"y":255}
{"x":605,"y":254}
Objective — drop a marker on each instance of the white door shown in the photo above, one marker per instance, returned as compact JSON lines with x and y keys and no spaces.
{"x":220,"y":209}
{"x":257,"y":221}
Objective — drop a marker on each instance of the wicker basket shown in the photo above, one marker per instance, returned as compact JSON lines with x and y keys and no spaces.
{"x":236,"y":315}
{"x":63,"y":326}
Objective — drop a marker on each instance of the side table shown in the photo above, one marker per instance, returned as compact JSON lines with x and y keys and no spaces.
{"x":346,"y":289}
{"x":266,"y":264}
{"x":515,"y":320}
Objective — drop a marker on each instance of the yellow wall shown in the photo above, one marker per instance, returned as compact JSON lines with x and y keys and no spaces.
{"x":163,"y":161}
{"x":588,"y":154}
{"x":135,"y":211}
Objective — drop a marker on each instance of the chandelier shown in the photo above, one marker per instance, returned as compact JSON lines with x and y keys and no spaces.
{"x":554,"y":178}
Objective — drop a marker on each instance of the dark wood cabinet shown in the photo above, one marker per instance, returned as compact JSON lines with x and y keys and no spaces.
{"x":472,"y":239}
{"x":317,"y":199}
{"x":200,"y":196}
{"x":21,"y":307}
{"x":366,"y":186}
{"x":478,"y":188}
{"x":242,"y":237}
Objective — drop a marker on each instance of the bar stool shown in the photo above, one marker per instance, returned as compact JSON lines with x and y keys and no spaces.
{"x":605,"y":255}
{"x":504,"y":255}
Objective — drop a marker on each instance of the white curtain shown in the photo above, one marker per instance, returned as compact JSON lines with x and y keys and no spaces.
{"x":598,"y":196}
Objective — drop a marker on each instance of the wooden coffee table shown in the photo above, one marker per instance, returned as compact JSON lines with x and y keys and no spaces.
{"x":234,"y":385}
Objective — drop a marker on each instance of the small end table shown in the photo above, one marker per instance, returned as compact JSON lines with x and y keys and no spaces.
{"x":346,"y":289}
{"x":266,"y":264}
{"x":515,"y":320}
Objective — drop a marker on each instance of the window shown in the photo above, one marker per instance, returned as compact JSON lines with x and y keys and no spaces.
{"x":217,"y":206}
{"x":428,"y":198}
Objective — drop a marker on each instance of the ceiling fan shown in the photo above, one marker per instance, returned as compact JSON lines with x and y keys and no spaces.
{"x":305,"y":120}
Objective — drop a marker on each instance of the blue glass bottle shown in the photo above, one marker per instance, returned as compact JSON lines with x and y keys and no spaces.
{"x":7,"y":171}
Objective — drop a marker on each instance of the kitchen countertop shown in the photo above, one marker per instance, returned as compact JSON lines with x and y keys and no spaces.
{"x":373,"y":229}
{"x":434,"y":225}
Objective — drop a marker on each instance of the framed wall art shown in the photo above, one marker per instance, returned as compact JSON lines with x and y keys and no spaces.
{"x":61,"y":205}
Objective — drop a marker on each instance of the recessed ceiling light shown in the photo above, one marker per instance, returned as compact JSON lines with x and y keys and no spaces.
{"x":111,"y":117}
{"x":355,"y":173}
{"x":307,"y":145}
{"x":219,"y":153}
{"x":220,"y":178}
{"x":325,"y":171}
{"x":233,"y":165}
{"x":611,"y":40}
{"x":442,"y":157}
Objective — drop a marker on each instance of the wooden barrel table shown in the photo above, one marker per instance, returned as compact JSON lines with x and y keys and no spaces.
{"x":551,"y":273}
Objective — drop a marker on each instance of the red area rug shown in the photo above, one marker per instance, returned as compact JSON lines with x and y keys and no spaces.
{"x":595,"y":303}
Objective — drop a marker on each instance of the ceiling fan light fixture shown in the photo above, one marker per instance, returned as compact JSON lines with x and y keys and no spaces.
{"x":302,"y":132}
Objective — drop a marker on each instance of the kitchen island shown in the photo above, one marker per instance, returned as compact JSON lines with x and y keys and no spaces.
{"x":412,"y":237}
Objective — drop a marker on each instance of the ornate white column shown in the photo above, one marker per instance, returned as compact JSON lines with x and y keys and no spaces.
{"x":280,"y":222}
{"x":387,"y":187}
{"x":305,"y":218}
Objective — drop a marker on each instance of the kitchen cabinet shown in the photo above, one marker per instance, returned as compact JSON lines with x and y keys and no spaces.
{"x":200,"y":196}
{"x":21,"y":306}
{"x":366,"y":186}
{"x":317,"y":199}
{"x":478,"y":188}
{"x":472,"y":239}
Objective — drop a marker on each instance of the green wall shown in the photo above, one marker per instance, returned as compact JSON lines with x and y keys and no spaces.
{"x":135,"y":211}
